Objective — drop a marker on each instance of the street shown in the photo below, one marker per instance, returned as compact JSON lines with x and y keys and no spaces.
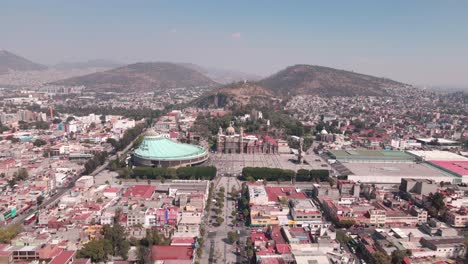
{"x":217,"y":249}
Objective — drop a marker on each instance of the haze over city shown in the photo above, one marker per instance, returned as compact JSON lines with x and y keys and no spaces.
{"x":233,"y":132}
{"x":417,"y":42}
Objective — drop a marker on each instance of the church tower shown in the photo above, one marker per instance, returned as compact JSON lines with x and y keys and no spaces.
{"x":241,"y":140}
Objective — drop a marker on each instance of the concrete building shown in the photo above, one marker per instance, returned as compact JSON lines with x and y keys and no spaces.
{"x":458,"y":218}
{"x":392,"y":172}
{"x":419,"y":186}
{"x":450,"y":247}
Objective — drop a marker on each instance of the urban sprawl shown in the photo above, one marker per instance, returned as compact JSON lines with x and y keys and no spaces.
{"x":149,"y":178}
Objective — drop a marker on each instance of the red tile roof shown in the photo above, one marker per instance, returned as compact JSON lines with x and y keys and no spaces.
{"x":142,"y":191}
{"x":63,"y":258}
{"x":171,"y":253}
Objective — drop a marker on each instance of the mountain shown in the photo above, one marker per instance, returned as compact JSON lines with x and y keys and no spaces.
{"x":141,"y":77}
{"x":98,"y":63}
{"x":236,"y":95}
{"x":324,"y":81}
{"x":299,"y":80}
{"x":222,"y":76}
{"x":13,"y":62}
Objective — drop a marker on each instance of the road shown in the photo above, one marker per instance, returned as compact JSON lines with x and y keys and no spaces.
{"x":61,"y":191}
{"x":216,"y":249}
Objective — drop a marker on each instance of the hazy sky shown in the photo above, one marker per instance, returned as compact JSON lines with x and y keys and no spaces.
{"x":420,"y":42}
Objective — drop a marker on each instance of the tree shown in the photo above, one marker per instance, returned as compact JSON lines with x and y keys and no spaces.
{"x":143,"y":254}
{"x":232,"y":237}
{"x":397,"y":256}
{"x":92,"y":126}
{"x":39,"y":142}
{"x":41,"y":125}
{"x":8,"y":233}
{"x":219,"y":220}
{"x":117,"y":237}
{"x":57,"y":121}
{"x":437,"y":201}
{"x":21,"y":174}
{"x":246,"y":212}
{"x":39,"y":200}
{"x":303,"y":175}
{"x":98,"y":250}
{"x":103,"y":119}
{"x":381,"y":258}
{"x":99,"y":200}
{"x":346,"y":223}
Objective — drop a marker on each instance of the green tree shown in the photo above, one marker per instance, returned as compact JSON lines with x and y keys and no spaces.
{"x":117,"y":237}
{"x":219,"y":220}
{"x":21,"y":174}
{"x":41,"y":125}
{"x":346,"y":223}
{"x":232,"y":237}
{"x":39,"y":200}
{"x":39,"y":142}
{"x":437,"y":201}
{"x":98,"y":250}
{"x":397,"y":256}
{"x":8,"y":233}
{"x":92,"y":126}
{"x":381,"y":258}
{"x":303,"y":175}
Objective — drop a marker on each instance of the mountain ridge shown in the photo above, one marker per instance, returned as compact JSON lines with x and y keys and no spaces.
{"x":140,"y":77}
{"x":303,"y":79}
{"x":12,"y":62}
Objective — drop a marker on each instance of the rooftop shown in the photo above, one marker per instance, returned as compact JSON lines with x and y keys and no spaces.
{"x":370,"y":155}
{"x":142,"y":191}
{"x":437,"y":155}
{"x":274,"y":193}
{"x":171,"y":253}
{"x":457,"y":167}
{"x":160,"y":148}
{"x":394,"y":169}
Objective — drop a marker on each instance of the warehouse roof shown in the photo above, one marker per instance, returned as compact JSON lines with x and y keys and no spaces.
{"x":370,"y":155}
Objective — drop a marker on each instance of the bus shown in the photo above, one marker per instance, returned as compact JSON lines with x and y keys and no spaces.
{"x":30,"y":219}
{"x":8,"y":214}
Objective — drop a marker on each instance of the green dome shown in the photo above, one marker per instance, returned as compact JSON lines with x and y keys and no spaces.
{"x":161,"y":148}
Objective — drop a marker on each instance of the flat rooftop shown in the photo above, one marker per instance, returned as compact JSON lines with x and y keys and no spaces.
{"x":458,"y":167}
{"x":371,"y":155}
{"x":374,"y":171}
{"x":437,"y":155}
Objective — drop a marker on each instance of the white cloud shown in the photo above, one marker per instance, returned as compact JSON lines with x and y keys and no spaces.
{"x":173,"y":30}
{"x":236,"y":35}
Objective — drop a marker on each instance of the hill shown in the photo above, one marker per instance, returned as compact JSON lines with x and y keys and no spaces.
{"x":98,"y":63}
{"x":222,"y":76}
{"x":141,"y":77}
{"x":12,"y":62}
{"x":236,"y":95}
{"x":324,"y":81}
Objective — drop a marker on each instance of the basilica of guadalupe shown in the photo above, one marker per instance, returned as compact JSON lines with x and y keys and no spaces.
{"x":232,"y":142}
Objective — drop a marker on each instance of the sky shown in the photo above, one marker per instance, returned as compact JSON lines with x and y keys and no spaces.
{"x":421,"y":42}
